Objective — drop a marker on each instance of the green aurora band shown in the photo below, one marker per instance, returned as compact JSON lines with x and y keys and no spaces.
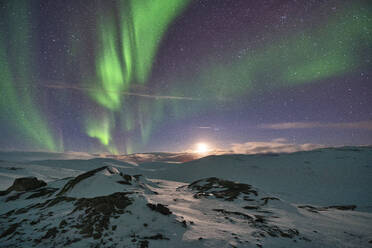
{"x":100,"y":130}
{"x":127,"y":39}
{"x":125,"y":57}
{"x":17,"y":101}
{"x":307,"y":56}
{"x":333,"y":49}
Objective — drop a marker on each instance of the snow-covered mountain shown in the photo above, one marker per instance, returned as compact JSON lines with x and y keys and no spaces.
{"x":320,"y":198}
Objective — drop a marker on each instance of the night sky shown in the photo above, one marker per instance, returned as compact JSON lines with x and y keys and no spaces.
{"x":162,"y":75}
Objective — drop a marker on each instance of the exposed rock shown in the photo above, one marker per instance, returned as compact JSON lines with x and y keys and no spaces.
{"x":261,"y":223}
{"x":42,"y":192}
{"x":97,"y":212}
{"x":220,"y":188}
{"x":112,"y":170}
{"x":124,"y":182}
{"x":342,"y":207}
{"x":62,"y":224}
{"x":245,"y":216}
{"x":14,"y":197}
{"x":27,"y":183}
{"x":23,"y":184}
{"x":184,"y":224}
{"x":159,"y":208}
{"x":158,"y":236}
{"x":69,"y":242}
{"x":137,"y":177}
{"x":70,"y":184}
{"x":51,"y":233}
{"x":89,"y":218}
{"x":13,"y":168}
{"x":74,"y":219}
{"x":318,"y":209}
{"x":266,"y":199}
{"x":34,"y":222}
{"x":144,"y":244}
{"x":5,"y":192}
{"x":251,"y":207}
{"x":10,"y":230}
{"x":126,"y":177}
{"x":47,"y":203}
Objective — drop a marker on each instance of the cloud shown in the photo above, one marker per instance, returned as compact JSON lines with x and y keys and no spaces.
{"x":209,"y":128}
{"x":367,"y":125}
{"x":126,"y":93}
{"x":274,"y":146}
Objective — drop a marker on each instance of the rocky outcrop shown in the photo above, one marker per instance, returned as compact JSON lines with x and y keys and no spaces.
{"x":258,"y":214}
{"x":27,"y":183}
{"x":319,"y":209}
{"x":24,"y":184}
{"x":159,"y":208}
{"x":220,"y":188}
{"x":70,"y":184}
{"x":50,"y":218}
{"x":97,"y":211}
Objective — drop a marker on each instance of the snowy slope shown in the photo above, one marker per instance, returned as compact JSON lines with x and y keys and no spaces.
{"x":325,"y":176}
{"x":318,"y":198}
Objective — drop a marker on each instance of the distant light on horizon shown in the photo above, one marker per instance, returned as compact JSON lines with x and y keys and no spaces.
{"x":202,"y":148}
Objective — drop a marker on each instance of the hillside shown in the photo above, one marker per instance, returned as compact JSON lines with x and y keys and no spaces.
{"x":318,"y":198}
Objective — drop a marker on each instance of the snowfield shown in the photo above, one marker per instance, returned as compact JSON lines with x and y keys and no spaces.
{"x":320,"y":198}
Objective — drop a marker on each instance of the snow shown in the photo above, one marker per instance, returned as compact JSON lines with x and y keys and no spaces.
{"x":320,"y":178}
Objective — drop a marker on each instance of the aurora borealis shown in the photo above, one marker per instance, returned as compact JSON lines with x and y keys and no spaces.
{"x":138,"y":75}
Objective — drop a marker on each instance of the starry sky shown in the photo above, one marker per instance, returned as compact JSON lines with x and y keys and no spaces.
{"x":132,"y":76}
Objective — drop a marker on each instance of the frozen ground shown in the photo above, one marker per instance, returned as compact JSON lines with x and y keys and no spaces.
{"x":319,"y":198}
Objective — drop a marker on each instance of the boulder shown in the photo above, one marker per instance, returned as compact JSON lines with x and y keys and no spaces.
{"x":27,"y":183}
